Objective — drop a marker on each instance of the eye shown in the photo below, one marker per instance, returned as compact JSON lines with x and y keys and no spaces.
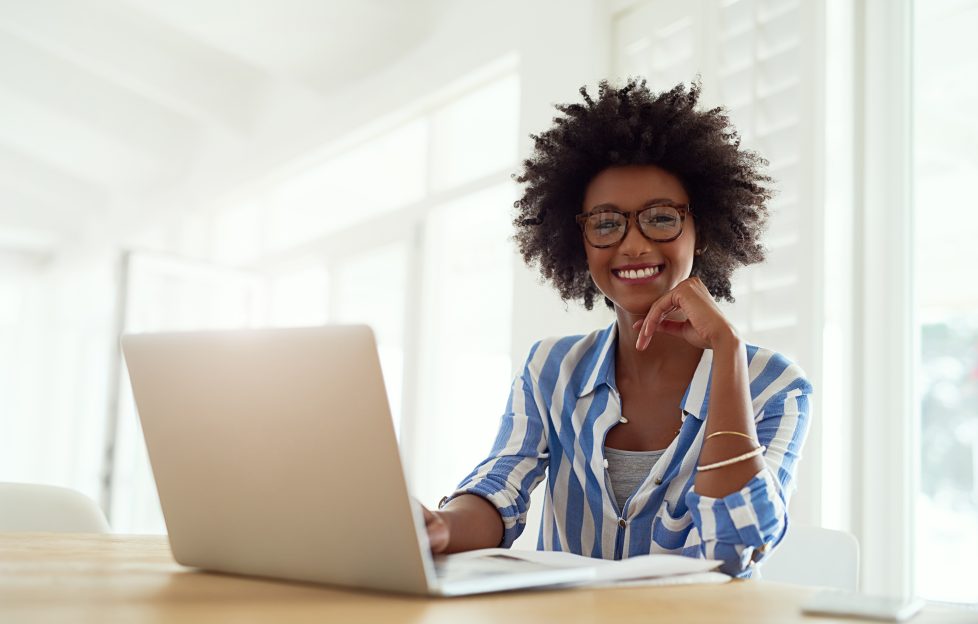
{"x":661,"y":218}
{"x":605,"y":223}
{"x":663,"y":221}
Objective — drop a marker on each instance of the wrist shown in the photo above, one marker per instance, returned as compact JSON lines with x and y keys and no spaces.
{"x":726,"y":341}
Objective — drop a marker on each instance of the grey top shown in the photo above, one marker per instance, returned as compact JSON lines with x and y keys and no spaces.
{"x":627,"y":470}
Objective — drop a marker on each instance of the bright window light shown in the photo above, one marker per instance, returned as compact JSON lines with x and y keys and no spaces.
{"x":476,"y":134}
{"x":467,"y":321}
{"x":379,"y":175}
{"x":946,"y":228}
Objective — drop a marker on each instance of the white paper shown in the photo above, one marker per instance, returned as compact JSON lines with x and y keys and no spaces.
{"x":697,"y":578}
{"x":640,"y":567}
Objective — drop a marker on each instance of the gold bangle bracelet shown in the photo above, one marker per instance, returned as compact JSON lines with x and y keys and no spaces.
{"x":732,"y":460}
{"x":736,"y":433}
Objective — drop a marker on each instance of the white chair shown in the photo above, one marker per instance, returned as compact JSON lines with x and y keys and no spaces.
{"x":29,"y":507}
{"x":814,"y":556}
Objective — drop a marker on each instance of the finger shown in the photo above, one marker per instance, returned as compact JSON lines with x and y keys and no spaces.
{"x":674,"y":328}
{"x":652,"y":321}
{"x":665,"y":315}
{"x":438,"y":536}
{"x":641,"y":342}
{"x":662,"y":308}
{"x":643,"y":332}
{"x":652,"y":316}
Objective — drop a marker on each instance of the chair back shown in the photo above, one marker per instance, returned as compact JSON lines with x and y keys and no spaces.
{"x":814,"y":556}
{"x":40,"y":508}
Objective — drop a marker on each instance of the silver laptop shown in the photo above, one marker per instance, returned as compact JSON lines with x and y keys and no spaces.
{"x":274,"y":455}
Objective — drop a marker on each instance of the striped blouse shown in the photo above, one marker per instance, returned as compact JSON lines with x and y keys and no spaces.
{"x":562,"y":405}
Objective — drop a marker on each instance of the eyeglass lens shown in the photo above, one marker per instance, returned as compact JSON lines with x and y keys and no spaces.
{"x":656,"y":222}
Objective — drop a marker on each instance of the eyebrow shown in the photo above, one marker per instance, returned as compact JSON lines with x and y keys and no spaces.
{"x":651,"y":202}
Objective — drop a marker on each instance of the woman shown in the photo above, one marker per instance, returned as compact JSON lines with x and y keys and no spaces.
{"x":665,"y":432}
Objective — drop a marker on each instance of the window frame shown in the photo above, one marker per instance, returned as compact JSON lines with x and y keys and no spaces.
{"x":883,"y":353}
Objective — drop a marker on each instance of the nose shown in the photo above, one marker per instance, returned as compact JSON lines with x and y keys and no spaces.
{"x":635,"y":243}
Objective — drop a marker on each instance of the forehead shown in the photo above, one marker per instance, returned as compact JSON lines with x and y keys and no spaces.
{"x":632,"y":187}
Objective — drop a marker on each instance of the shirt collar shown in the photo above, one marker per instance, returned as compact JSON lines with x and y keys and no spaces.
{"x":602,"y":365}
{"x":697,"y":396}
{"x":602,"y":371}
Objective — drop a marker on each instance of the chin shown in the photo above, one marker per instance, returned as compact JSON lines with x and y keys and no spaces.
{"x":633,"y":307}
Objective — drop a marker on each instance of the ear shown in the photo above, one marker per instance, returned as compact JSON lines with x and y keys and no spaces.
{"x":700,"y":243}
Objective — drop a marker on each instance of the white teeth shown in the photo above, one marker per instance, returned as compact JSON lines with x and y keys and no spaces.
{"x":640,"y":274}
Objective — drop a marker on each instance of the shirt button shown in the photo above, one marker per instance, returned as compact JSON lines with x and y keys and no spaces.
{"x":622,"y":523}
{"x":606,"y":463}
{"x":658,"y":480}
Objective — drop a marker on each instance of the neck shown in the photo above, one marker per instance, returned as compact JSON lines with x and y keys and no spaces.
{"x":666,"y":355}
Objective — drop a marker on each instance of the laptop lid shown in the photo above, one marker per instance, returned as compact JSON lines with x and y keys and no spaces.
{"x":274,"y":455}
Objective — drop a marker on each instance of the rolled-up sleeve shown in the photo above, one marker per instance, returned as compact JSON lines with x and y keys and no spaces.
{"x":517,"y":461}
{"x":746,"y":525}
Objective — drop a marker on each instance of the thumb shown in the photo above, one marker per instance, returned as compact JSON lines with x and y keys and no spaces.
{"x":438,"y":534}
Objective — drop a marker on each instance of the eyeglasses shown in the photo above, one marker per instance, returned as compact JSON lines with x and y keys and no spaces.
{"x":660,"y":222}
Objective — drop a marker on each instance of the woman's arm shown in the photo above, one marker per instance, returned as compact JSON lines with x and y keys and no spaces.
{"x":468,"y":522}
{"x":730,"y":410}
{"x":743,"y":526}
{"x":739,"y":509}
{"x":730,"y":400}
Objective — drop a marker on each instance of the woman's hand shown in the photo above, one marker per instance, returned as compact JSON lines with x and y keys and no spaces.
{"x":705,"y":326}
{"x":437,"y":530}
{"x":467,"y":522}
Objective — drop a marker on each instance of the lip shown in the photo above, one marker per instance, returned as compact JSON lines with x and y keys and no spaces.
{"x":637,"y":267}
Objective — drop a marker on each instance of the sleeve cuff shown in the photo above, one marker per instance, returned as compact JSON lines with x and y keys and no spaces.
{"x":752,"y":516}
{"x":514,"y":520}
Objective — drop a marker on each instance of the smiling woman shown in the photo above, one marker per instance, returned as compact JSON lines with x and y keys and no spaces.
{"x":636,"y":268}
{"x":605,"y":417}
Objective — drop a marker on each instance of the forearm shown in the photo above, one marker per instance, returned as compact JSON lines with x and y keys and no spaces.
{"x":740,"y":510}
{"x":473,"y":523}
{"x":730,"y":410}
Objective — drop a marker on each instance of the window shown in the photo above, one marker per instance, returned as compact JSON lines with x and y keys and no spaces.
{"x":406,"y":229}
{"x":466,"y":325}
{"x":379,"y":175}
{"x":946,"y":299}
{"x":372,"y":288}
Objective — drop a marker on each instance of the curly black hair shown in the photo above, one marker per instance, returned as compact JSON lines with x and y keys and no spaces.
{"x":632,"y":125}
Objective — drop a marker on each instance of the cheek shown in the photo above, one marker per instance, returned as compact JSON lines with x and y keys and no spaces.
{"x":596,"y":259}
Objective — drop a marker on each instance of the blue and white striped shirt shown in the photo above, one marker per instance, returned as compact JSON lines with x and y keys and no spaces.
{"x":562,"y":405}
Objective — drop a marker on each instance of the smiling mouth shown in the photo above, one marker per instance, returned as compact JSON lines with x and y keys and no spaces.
{"x":637,"y":274}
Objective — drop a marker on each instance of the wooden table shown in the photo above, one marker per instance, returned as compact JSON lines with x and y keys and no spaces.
{"x":111,"y":578}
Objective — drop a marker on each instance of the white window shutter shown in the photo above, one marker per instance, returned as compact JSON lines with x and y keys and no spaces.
{"x":756,"y":59}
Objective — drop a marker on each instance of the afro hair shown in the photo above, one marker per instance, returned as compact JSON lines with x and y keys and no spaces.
{"x":632,"y":125}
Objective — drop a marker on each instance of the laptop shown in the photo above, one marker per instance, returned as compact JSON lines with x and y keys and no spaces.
{"x":274,"y":455}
